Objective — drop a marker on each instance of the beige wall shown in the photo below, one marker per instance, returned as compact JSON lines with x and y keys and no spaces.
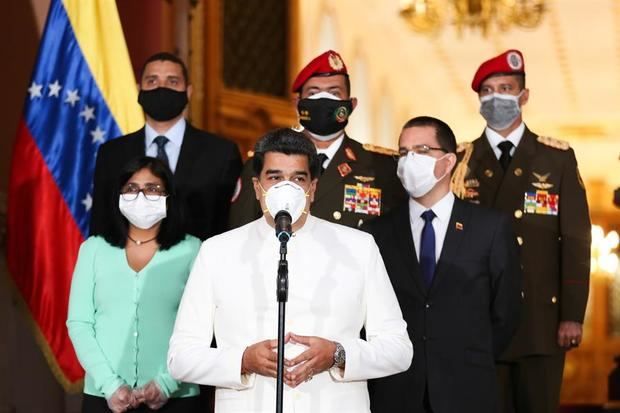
{"x":571,"y":61}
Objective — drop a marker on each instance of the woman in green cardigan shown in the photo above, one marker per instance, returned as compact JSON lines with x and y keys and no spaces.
{"x":126,"y":288}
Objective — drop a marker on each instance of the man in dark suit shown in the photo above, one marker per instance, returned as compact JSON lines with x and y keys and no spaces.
{"x":206,"y":167}
{"x":534,"y":179}
{"x":357,"y":182}
{"x":455,"y":269}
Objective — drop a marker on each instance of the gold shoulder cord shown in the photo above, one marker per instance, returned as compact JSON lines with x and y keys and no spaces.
{"x":457,"y":183}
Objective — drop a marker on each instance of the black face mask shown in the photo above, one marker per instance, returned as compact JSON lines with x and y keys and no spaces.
{"x":324,"y":116}
{"x":162,"y":103}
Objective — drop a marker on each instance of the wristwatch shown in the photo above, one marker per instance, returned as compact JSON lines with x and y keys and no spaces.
{"x":340,"y":357}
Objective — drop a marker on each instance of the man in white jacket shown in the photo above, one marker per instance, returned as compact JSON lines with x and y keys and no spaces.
{"x":337,"y":285}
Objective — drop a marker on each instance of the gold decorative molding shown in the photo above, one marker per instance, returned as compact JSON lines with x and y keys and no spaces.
{"x":458,"y":84}
{"x":196,"y":62}
{"x":562,"y":55}
{"x":246,"y":116}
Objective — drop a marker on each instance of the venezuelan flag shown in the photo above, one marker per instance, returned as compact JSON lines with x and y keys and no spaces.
{"x":82,"y":93}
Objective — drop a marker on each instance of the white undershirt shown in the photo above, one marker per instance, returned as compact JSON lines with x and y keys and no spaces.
{"x":495,"y":139}
{"x":331,"y":150}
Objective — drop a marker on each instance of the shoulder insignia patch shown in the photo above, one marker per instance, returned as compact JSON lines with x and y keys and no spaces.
{"x":380,"y":149}
{"x":463,"y":146}
{"x":554,"y":143}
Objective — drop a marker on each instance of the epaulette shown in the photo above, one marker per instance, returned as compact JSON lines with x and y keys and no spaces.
{"x":380,"y":149}
{"x":463,"y":146}
{"x":554,"y":143}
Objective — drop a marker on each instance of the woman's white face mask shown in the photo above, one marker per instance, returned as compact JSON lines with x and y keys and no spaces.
{"x":142,"y":212}
{"x":417,"y":173}
{"x":287,"y":196}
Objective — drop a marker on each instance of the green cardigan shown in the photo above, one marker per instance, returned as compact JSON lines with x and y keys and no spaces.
{"x":120,"y":321}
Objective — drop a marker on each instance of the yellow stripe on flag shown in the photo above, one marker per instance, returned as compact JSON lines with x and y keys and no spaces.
{"x":99,"y":33}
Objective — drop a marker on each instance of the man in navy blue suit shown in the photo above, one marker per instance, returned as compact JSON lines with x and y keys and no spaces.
{"x":455,"y":269}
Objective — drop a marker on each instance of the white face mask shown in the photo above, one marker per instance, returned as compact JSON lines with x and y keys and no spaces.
{"x":500,"y":110}
{"x":287,"y":196}
{"x":417,"y":173}
{"x":141,"y":212}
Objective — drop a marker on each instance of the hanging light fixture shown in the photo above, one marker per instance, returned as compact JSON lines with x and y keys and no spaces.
{"x":431,"y":16}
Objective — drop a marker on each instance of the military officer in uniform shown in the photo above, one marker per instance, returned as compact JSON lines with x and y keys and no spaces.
{"x":357,"y":182}
{"x":535,"y":179}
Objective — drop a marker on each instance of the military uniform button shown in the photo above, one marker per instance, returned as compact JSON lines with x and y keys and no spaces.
{"x":337,"y":215}
{"x":427,"y":306}
{"x":518,"y":213}
{"x":424,"y":338}
{"x":488,"y":173}
{"x":518,"y":172}
{"x":520,"y":240}
{"x":522,"y":294}
{"x":554,"y":299}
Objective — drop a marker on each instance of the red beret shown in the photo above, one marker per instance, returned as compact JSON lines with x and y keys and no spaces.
{"x":509,"y":62}
{"x":329,"y":63}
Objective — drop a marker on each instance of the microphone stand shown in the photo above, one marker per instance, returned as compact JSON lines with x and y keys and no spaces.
{"x":282,"y":293}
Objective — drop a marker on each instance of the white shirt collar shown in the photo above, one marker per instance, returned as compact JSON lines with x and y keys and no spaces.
{"x":442,"y":208}
{"x":331,"y":150}
{"x":495,"y":138}
{"x":174,"y":134}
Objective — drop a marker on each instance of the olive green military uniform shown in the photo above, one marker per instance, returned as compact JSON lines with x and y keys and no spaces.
{"x":359,"y":184}
{"x":544,"y":194}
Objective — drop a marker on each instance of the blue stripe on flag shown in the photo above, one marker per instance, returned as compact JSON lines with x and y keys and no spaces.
{"x":67,"y":130}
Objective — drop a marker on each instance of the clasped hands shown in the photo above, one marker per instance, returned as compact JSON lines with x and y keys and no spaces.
{"x":125,"y":398}
{"x":260,"y":358}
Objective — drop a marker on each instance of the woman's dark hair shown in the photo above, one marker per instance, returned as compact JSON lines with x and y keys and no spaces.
{"x":288,"y":142}
{"x":171,"y":231}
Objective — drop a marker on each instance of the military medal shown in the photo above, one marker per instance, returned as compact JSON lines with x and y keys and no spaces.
{"x":344,"y":169}
{"x":541,"y":202}
{"x":469,"y":191}
{"x":362,"y":199}
{"x":364,"y":179}
{"x":542,"y":181}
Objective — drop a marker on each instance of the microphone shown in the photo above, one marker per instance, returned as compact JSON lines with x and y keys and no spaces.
{"x":283,"y":225}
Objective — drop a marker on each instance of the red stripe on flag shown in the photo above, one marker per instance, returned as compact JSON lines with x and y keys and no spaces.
{"x":42,"y":245}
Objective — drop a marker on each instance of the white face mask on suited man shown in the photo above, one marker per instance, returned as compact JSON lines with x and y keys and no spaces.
{"x":417,"y":173}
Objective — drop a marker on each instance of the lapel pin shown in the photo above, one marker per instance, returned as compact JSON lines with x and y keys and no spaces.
{"x":350,"y":154}
{"x":459,"y":226}
{"x":344,"y":169}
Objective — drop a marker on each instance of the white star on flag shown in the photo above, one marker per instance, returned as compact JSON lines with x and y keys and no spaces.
{"x":87,"y":202}
{"x":72,"y":97}
{"x":54,"y":89}
{"x":35,"y":90}
{"x":97,"y":135}
{"x":88,"y":113}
